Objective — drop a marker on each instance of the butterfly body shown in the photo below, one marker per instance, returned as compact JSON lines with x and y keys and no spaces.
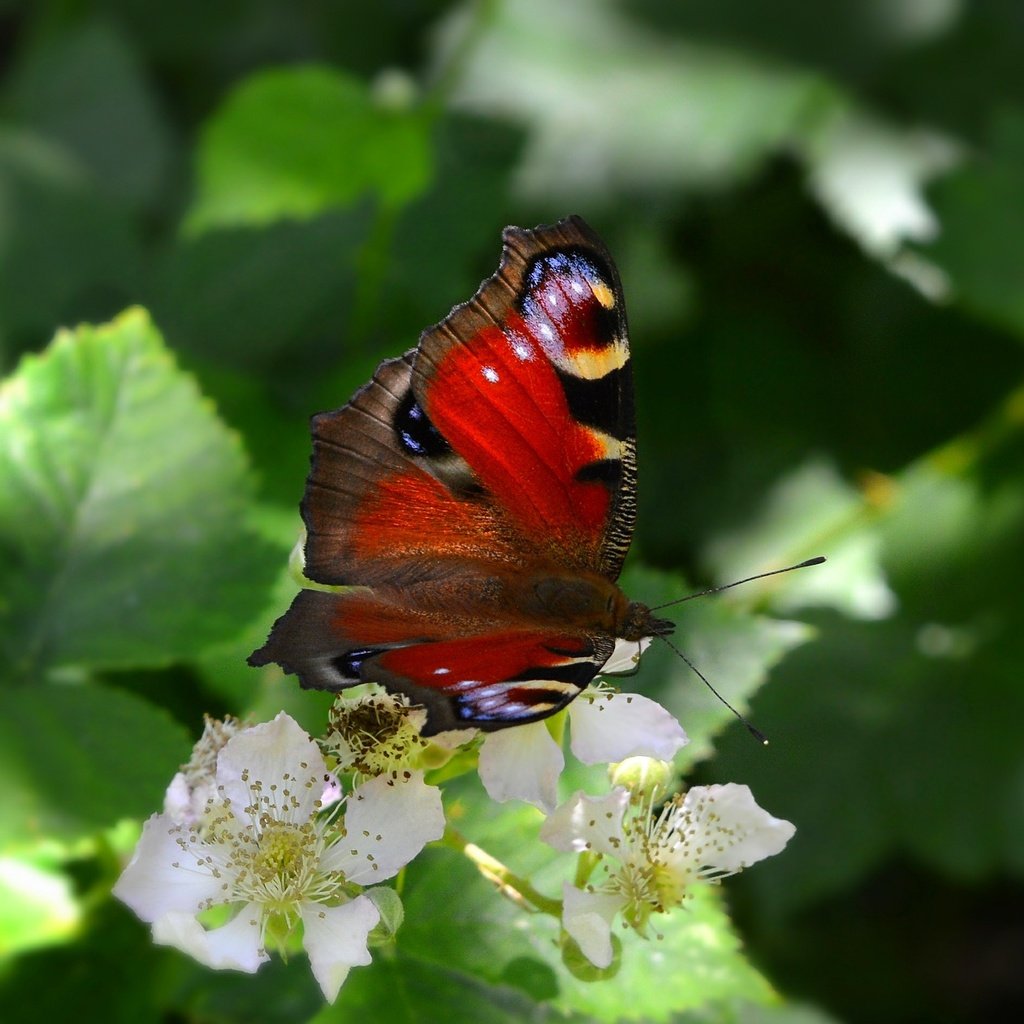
{"x":476,"y":499}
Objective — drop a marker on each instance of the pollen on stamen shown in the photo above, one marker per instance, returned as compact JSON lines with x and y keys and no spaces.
{"x":374,"y":735}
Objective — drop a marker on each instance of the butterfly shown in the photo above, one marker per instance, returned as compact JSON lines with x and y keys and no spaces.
{"x":477,"y":499}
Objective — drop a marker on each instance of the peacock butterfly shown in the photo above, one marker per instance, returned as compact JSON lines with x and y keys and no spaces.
{"x":478,"y":496}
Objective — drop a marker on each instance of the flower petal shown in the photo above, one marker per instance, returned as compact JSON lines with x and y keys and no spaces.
{"x":591,"y":823}
{"x":178,"y":800}
{"x":587,"y":917}
{"x":387,"y":822}
{"x":613,"y":726}
{"x":188,"y":804}
{"x":522,"y":763}
{"x":737,"y":832}
{"x":626,"y":656}
{"x":332,"y":792}
{"x":166,"y":872}
{"x":452,"y":739}
{"x":234,"y":946}
{"x":335,"y":939}
{"x":280,"y":760}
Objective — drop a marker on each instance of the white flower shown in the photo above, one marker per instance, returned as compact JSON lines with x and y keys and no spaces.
{"x":625,"y":657}
{"x":193,"y":789}
{"x":524,"y":762}
{"x":264,"y":851}
{"x":712,"y":832}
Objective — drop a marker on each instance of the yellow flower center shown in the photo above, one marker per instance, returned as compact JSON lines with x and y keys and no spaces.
{"x":283,"y":852}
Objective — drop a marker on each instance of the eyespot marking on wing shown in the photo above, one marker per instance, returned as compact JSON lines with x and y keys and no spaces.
{"x":415,"y":432}
{"x":569,"y":304}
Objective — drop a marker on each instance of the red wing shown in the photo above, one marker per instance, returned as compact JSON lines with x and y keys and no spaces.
{"x":489,"y":679}
{"x":492,"y":680}
{"x":529,"y":383}
{"x":506,"y":436}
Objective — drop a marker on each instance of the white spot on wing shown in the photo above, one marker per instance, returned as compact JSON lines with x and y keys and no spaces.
{"x":490,"y":373}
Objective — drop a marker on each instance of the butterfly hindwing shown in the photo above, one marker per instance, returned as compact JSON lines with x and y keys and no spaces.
{"x":464,"y":673}
{"x":492,"y":680}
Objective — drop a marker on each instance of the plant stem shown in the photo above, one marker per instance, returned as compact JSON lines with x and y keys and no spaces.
{"x":510,"y":885}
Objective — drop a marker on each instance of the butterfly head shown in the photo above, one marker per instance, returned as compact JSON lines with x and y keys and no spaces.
{"x":639,"y":623}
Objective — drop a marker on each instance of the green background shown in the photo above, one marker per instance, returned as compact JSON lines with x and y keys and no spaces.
{"x":818,"y":215}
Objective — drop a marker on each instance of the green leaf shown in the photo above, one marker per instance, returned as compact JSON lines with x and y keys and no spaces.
{"x":295,"y":142}
{"x":828,"y":768}
{"x":274,"y":298}
{"x":260,"y":694}
{"x":62,"y":241}
{"x":123,"y":503}
{"x":466,"y":206}
{"x":112,"y":972}
{"x":959,"y":584}
{"x":75,"y":759}
{"x":281,"y":992}
{"x":410,"y":990}
{"x":758,"y":1013}
{"x":607,"y":100}
{"x":734,"y":649}
{"x":889,"y":712}
{"x":982,"y":211}
{"x":810,"y":511}
{"x":85,"y":90}
{"x":696,"y":948}
{"x":870,"y":178}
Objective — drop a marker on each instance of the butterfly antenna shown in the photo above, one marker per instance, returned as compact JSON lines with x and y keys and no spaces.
{"x":727,"y":586}
{"x":752,"y":729}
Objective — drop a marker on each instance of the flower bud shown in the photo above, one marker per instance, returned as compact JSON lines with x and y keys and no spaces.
{"x":579,"y":966}
{"x":645,"y":777}
{"x":392,"y":913}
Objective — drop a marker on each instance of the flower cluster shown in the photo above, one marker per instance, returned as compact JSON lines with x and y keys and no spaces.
{"x":269,"y":837}
{"x":264,"y":852}
{"x":649,"y":859}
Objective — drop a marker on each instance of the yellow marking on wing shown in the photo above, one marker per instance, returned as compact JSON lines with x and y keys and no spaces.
{"x":554,"y":685}
{"x":609,"y":447}
{"x":603,"y":294}
{"x":594,"y":363}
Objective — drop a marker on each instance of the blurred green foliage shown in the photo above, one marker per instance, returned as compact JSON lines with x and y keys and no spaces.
{"x":818,"y":216}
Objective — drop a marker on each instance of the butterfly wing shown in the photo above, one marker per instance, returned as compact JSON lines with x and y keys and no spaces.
{"x":506,"y":436}
{"x":489,"y":678}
